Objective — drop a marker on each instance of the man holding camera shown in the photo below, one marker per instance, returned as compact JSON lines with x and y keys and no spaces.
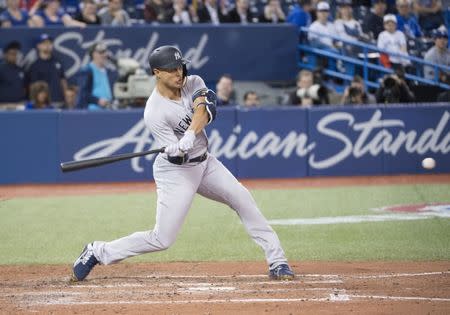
{"x":394,"y":89}
{"x":355,"y":93}
{"x":308,"y":93}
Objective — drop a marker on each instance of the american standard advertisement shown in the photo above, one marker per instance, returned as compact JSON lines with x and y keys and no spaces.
{"x":264,"y":143}
{"x":197,"y":43}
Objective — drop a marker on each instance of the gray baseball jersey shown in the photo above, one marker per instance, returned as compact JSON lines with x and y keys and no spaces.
{"x":169,"y":119}
{"x":176,"y":186}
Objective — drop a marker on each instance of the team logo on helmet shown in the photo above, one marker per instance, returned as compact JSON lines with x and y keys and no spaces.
{"x":177,"y":55}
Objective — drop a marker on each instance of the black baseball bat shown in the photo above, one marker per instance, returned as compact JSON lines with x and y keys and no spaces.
{"x":79,"y":165}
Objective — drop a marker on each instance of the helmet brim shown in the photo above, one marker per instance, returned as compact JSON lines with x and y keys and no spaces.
{"x":174,"y":65}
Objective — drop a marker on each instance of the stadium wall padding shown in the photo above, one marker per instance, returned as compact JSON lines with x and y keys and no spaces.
{"x":246,"y":53}
{"x":272,"y":142}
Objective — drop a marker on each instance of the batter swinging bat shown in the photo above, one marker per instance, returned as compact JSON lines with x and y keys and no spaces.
{"x":79,"y":165}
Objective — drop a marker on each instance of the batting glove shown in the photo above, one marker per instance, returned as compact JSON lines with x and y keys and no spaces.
{"x":187,"y":142}
{"x":172,"y":149}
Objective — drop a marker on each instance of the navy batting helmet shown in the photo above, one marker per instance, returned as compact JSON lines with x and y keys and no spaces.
{"x":166,"y":57}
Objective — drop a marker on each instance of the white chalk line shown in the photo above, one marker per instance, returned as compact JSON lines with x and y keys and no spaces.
{"x":400,"y":298}
{"x":332,"y":297}
{"x":152,"y":291}
{"x":202,"y":301}
{"x":359,"y":218}
{"x":301,"y":276}
{"x":234,"y":276}
{"x":419,"y":274}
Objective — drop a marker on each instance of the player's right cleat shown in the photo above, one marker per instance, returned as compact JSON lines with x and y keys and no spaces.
{"x":281,"y":272}
{"x":84,"y":264}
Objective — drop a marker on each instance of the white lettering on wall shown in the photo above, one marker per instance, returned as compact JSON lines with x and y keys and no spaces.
{"x":63,"y":41}
{"x":373,"y":137}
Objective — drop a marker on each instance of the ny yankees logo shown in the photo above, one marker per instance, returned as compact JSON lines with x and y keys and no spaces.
{"x":177,"y":56}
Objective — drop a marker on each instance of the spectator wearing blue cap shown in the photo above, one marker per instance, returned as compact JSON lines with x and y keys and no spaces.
{"x":49,"y":69}
{"x":438,"y":54}
{"x":12,"y":84}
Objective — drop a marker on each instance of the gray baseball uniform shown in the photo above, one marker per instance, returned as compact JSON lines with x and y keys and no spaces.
{"x":177,"y":185}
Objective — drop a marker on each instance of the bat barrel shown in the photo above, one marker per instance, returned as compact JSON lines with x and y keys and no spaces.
{"x":78,"y":165}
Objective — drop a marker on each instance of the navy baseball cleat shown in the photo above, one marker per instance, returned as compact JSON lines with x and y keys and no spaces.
{"x":281,"y":272}
{"x":84,"y":264}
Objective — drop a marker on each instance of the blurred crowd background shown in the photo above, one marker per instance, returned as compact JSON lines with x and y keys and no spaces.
{"x":417,"y":28}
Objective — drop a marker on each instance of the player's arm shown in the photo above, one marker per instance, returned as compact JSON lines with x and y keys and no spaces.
{"x":204,"y":104}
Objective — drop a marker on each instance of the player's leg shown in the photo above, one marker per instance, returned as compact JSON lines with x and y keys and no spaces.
{"x":176,"y":187}
{"x":219,"y":184}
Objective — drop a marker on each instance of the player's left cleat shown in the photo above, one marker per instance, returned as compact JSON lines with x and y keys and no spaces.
{"x":84,"y":264}
{"x":281,"y":272}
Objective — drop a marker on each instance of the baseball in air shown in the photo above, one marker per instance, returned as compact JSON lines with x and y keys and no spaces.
{"x":428,"y":163}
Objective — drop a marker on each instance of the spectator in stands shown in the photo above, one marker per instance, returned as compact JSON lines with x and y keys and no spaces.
{"x":322,"y":26}
{"x":225,"y":91}
{"x":241,"y":14}
{"x":438,"y":54}
{"x":158,"y":11}
{"x":54,"y":15}
{"x":319,"y":32}
{"x":430,"y":14}
{"x":49,"y":69}
{"x":12,"y":84}
{"x":373,"y":22}
{"x":211,"y":12}
{"x":393,"y":41}
{"x":356,"y":93}
{"x":95,"y":86}
{"x":88,"y":13}
{"x":14,"y":15}
{"x":406,"y":21}
{"x":39,"y":96}
{"x":346,"y":26}
{"x":394,"y":89}
{"x":251,"y":99}
{"x":180,"y":13}
{"x":308,"y":92}
{"x":70,"y":100}
{"x":114,"y":14}
{"x":273,"y":13}
{"x":300,"y":15}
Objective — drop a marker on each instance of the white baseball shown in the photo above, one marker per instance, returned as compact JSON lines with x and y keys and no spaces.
{"x":428,"y":163}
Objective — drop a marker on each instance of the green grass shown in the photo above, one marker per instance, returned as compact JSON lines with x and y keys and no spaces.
{"x":54,"y":230}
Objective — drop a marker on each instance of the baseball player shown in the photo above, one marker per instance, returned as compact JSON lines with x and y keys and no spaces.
{"x":176,"y":113}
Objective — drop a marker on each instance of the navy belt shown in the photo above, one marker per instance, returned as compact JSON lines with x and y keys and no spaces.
{"x":179,"y":160}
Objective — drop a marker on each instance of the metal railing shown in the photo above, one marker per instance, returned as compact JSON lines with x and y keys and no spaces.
{"x":364,"y":60}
